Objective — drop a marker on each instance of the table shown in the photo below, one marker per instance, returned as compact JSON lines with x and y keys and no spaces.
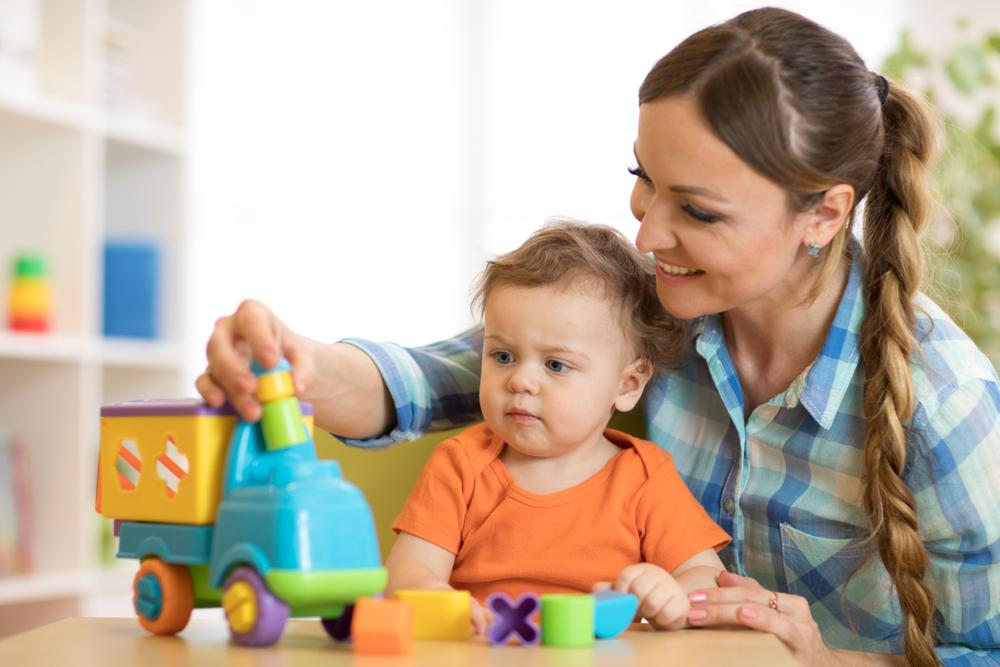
{"x":102,"y":642}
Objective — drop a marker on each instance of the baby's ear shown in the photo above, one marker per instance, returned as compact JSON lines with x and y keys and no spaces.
{"x":633,"y":381}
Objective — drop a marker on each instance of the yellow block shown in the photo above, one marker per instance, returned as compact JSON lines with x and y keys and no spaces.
{"x":274,"y":385}
{"x":30,"y":297}
{"x":164,"y":468}
{"x":440,"y":614}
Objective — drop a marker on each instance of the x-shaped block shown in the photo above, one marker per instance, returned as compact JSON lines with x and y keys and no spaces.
{"x":513,"y":619}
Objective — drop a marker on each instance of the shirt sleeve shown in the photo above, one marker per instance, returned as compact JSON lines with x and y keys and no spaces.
{"x":673,"y":525}
{"x":955,"y":477}
{"x":436,"y":508}
{"x":433,"y":388}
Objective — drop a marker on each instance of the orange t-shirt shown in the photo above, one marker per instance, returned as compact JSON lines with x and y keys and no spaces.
{"x":635,"y":509}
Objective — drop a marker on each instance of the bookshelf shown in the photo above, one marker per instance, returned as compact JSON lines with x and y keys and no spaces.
{"x":93,"y":145}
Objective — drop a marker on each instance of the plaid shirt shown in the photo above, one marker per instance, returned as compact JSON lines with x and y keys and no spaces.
{"x":786,"y":482}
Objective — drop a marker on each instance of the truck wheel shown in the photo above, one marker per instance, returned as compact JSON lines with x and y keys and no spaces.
{"x":162,"y":596}
{"x":256,"y":617}
{"x":339,"y":628}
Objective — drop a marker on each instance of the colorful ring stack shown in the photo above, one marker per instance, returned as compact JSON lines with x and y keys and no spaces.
{"x":30,"y":305}
{"x":281,"y":417}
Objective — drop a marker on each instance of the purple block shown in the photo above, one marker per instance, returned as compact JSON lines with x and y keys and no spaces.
{"x":513,"y":619}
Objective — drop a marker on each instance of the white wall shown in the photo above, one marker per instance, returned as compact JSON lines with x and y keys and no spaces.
{"x":354,"y":162}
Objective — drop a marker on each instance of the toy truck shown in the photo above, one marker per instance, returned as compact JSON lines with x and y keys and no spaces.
{"x":224,"y":512}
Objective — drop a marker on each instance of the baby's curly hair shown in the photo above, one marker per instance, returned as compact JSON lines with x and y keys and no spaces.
{"x":580,"y":256}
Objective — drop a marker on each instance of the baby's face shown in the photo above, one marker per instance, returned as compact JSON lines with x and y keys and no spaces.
{"x":554,"y":362}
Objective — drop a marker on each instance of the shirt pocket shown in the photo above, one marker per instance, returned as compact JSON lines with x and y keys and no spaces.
{"x":858,"y":612}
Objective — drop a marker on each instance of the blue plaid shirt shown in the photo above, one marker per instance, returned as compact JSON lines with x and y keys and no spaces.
{"x":786,"y":482}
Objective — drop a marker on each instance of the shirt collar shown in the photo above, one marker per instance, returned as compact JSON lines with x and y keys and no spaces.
{"x":821,"y":387}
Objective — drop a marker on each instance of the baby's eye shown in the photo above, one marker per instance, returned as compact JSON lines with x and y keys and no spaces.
{"x":503,"y":357}
{"x":555,"y":365}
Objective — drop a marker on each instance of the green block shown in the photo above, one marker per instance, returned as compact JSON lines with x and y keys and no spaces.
{"x":29,"y":265}
{"x":281,"y":421}
{"x":567,"y":619}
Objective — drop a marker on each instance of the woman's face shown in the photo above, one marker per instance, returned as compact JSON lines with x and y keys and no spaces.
{"x":722,"y":234}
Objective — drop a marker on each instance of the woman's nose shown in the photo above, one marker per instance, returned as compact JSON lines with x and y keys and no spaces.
{"x":656,"y":230}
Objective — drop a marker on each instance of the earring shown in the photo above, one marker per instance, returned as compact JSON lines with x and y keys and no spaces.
{"x":814,"y":251}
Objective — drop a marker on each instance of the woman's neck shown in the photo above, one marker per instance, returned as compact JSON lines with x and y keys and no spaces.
{"x":772,"y":340}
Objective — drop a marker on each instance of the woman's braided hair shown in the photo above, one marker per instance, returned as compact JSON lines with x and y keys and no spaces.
{"x":797,"y":104}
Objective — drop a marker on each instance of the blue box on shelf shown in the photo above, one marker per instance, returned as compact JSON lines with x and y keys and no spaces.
{"x":131,"y":289}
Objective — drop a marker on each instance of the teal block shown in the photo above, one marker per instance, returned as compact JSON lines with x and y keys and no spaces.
{"x":613,"y":613}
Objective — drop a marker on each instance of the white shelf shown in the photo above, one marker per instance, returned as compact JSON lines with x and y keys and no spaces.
{"x":42,"y":347}
{"x":144,"y":134}
{"x":113,"y":580}
{"x":73,"y":174}
{"x":53,"y":111}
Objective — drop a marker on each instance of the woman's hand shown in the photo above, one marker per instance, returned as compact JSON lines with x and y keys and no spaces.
{"x":662,"y":601}
{"x":743,"y":601}
{"x":252,"y":332}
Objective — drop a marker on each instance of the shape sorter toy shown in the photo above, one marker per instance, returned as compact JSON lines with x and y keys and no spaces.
{"x":224,"y":512}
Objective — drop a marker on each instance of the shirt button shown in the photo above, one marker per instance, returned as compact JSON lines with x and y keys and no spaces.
{"x":729,"y":505}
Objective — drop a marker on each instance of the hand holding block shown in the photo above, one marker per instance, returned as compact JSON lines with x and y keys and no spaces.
{"x":613,"y":612}
{"x":513,"y":619}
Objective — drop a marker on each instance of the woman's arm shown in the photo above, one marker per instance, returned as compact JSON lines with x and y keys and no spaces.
{"x":367,"y":393}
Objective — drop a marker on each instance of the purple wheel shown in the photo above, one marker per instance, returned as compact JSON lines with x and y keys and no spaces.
{"x":340,"y":628}
{"x":255,"y":616}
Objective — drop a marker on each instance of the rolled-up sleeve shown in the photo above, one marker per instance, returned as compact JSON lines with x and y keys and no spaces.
{"x":433,"y":388}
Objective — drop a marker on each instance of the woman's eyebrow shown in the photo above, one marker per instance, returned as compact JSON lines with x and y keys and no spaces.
{"x":683,"y":189}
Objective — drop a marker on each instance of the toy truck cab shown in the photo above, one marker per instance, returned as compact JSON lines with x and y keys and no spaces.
{"x":238,"y":514}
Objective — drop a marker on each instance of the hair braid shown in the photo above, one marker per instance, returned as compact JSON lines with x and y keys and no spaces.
{"x":895,"y":211}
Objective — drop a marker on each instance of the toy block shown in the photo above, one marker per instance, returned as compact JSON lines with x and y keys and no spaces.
{"x":281,"y":421}
{"x":272,"y":386}
{"x":613,"y":613}
{"x":567,"y":620}
{"x":382,"y":627}
{"x":443,"y":614}
{"x":513,"y":619}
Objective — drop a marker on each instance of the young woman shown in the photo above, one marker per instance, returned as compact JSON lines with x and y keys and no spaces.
{"x":828,"y":416}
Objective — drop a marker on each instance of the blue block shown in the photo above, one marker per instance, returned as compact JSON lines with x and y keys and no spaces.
{"x":131,"y":289}
{"x":613,"y":612}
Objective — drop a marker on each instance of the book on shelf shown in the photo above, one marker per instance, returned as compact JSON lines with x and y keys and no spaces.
{"x":16,"y":553}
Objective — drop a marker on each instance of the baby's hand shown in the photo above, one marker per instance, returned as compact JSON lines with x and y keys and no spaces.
{"x":662,"y":602}
{"x":482,"y":618}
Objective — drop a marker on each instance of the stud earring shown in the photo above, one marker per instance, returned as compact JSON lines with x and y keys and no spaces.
{"x":814,"y":251}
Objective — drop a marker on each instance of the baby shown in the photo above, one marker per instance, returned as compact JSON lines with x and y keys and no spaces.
{"x":543,"y":497}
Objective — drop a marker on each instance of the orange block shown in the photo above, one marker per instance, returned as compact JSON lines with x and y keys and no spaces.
{"x":382,"y":627}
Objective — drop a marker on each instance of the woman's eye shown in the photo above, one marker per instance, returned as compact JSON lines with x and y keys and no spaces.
{"x":555,"y":365}
{"x":638,"y":173}
{"x":699,"y":214}
{"x":503,"y":357}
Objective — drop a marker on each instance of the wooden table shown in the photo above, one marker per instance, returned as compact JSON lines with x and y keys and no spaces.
{"x":101,"y":642}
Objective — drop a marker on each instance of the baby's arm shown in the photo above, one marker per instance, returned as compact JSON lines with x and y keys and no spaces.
{"x":663,"y":595}
{"x":699,"y":571}
{"x":416,"y":564}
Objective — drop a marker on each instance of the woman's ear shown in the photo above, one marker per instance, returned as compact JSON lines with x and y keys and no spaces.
{"x":633,"y":381}
{"x":828,"y":216}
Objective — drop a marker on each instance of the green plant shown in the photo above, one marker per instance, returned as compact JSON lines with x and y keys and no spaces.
{"x":963,"y":243}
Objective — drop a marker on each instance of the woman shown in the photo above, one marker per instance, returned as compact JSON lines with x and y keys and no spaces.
{"x":833,"y":420}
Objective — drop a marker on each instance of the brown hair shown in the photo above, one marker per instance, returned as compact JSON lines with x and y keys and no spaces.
{"x":580,"y":256}
{"x":798,"y":105}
